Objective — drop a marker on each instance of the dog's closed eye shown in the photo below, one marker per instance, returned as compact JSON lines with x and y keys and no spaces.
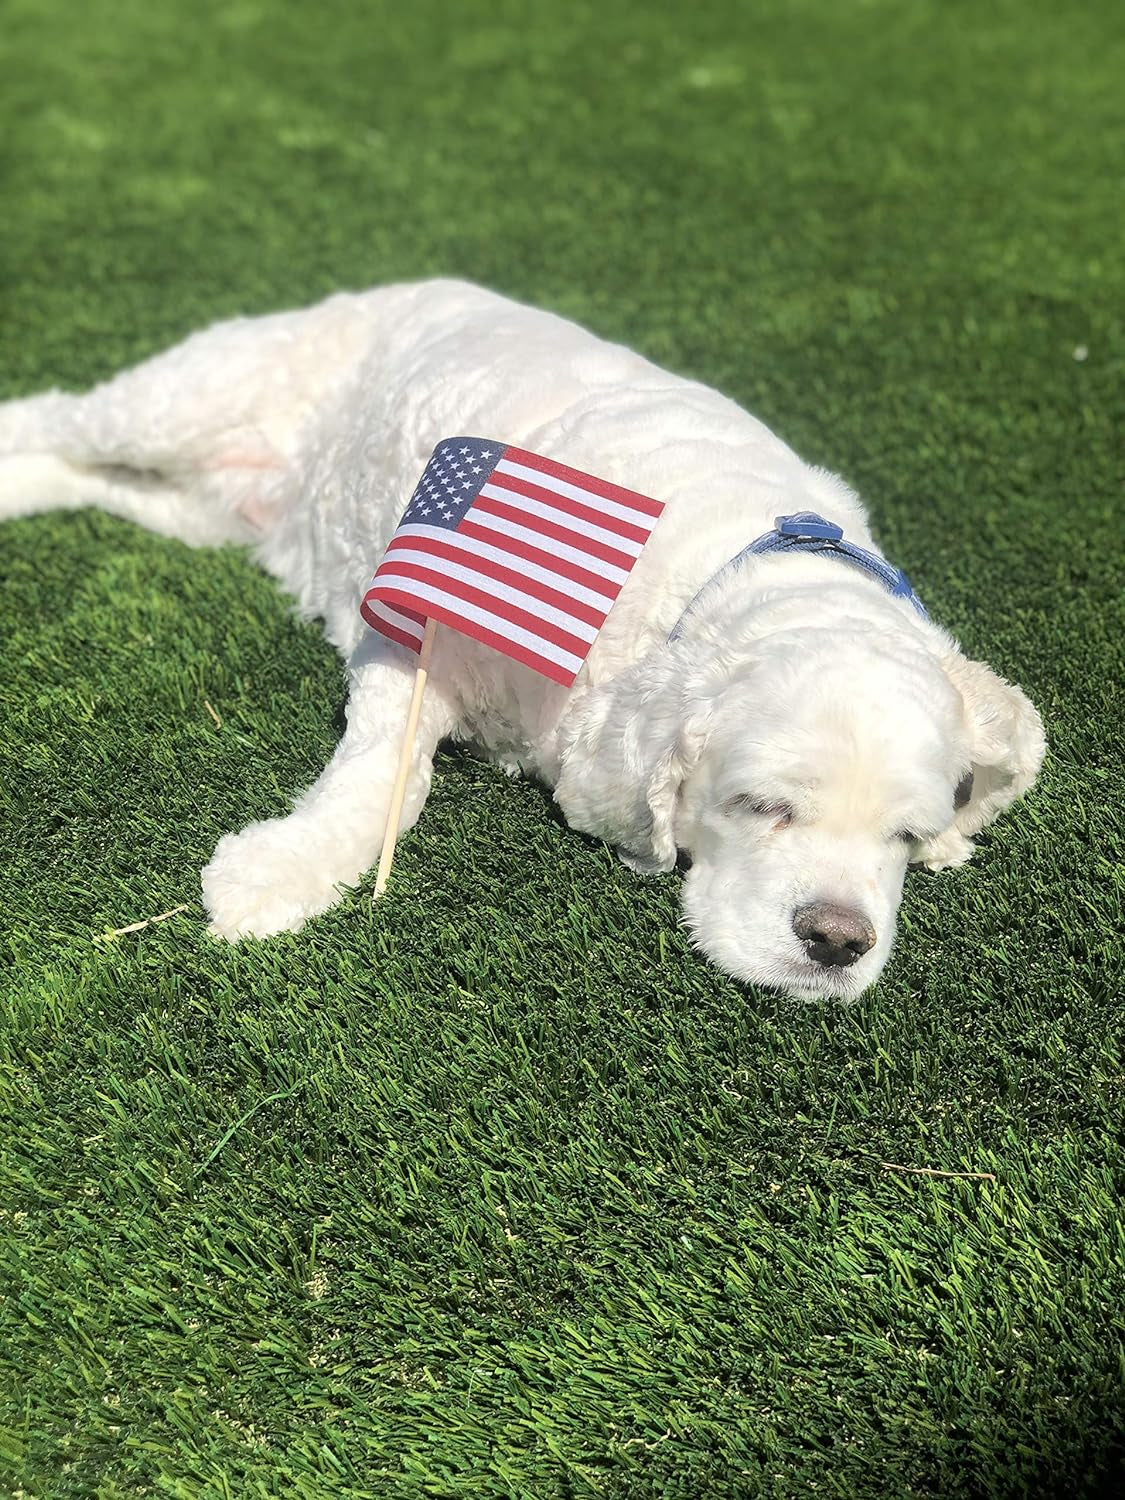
{"x":780,"y":814}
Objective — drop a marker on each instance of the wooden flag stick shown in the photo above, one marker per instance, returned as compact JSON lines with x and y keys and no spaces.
{"x":398,"y":795}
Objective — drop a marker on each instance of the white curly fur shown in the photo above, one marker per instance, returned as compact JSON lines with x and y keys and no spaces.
{"x":798,"y":683}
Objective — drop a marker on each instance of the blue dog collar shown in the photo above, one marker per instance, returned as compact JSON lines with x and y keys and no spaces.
{"x":805,"y":531}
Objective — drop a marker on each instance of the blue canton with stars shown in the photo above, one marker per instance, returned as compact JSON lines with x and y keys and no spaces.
{"x":452,"y":480}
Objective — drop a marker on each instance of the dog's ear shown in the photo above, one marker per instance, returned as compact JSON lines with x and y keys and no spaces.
{"x":626,"y":748}
{"x":1006,"y":747}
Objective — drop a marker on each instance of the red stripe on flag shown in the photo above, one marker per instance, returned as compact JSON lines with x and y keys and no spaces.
{"x":572,"y":507}
{"x":549,"y":560}
{"x":501,"y":643}
{"x":520,"y":581}
{"x":557,"y":533}
{"x":644,"y":503}
{"x":411,"y":614}
{"x":489,"y":603}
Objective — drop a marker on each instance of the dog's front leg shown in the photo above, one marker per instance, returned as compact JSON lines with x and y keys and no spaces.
{"x":274,"y":875}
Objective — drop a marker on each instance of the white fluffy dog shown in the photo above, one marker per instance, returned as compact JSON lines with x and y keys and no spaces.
{"x":804,"y":736}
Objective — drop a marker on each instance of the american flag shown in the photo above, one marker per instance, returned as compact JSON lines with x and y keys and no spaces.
{"x":515,"y":550}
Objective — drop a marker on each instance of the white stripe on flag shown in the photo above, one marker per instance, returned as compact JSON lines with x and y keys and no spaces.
{"x":576,"y":492}
{"x":471,"y":546}
{"x":393,"y":617}
{"x":563,"y":518}
{"x":428,"y":594}
{"x":544,"y":543}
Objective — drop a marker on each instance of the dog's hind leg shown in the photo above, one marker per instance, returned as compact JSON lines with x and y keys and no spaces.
{"x":201,"y":442}
{"x":34,"y":482}
{"x":65,"y":452}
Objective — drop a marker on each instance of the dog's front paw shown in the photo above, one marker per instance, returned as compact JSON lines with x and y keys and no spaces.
{"x":266,"y":879}
{"x":949,"y":849}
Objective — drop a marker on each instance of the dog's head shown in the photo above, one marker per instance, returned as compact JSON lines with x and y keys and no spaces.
{"x":802,"y":776}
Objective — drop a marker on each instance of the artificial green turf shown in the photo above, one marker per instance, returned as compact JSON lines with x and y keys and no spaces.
{"x":498,"y":1190}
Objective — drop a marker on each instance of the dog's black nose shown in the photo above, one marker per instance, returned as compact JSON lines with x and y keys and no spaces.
{"x":833,"y":935}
